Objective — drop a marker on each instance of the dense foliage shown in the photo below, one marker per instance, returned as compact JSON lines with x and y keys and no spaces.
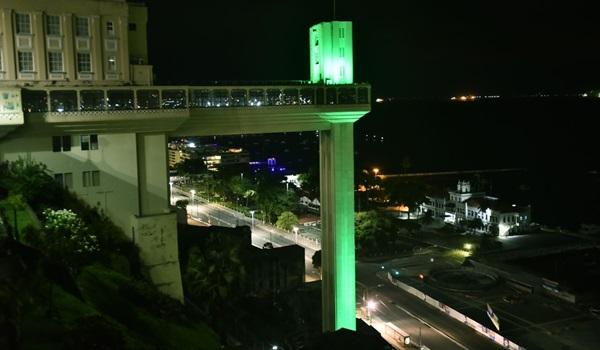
{"x":73,"y":280}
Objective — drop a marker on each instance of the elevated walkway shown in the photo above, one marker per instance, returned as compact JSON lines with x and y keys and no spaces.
{"x":182,"y":110}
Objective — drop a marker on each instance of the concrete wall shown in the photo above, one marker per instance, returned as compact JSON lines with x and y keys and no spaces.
{"x":156,"y":235}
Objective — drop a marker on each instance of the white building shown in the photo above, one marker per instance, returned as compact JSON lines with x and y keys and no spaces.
{"x":464,"y":204}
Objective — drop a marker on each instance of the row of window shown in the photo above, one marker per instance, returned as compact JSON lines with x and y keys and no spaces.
{"x":63,"y":143}
{"x":55,"y":58}
{"x":56,"y":62}
{"x":53,"y":25}
{"x":125,"y":99}
{"x":88,"y":179}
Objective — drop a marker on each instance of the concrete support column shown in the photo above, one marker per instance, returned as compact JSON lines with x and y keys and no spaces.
{"x":337,"y":227}
{"x":154,"y":229}
{"x":153,"y":173}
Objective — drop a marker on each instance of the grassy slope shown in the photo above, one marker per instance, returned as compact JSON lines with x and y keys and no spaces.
{"x":139,"y":327}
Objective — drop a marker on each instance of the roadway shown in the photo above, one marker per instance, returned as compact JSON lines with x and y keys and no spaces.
{"x":436,"y":330}
{"x":214,"y":214}
{"x":412,"y":315}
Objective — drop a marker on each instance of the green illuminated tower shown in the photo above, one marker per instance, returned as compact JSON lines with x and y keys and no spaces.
{"x":331,"y":59}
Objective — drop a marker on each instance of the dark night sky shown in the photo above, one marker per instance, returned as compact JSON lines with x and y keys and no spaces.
{"x":404,"y":48}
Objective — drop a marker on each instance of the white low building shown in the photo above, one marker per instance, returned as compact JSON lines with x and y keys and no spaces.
{"x":464,"y":204}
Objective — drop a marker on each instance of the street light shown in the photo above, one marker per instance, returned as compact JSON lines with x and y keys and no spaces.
{"x":252,"y":214}
{"x":371,"y":305}
{"x":193,"y":192}
{"x":375,"y":171}
{"x":295,"y":229}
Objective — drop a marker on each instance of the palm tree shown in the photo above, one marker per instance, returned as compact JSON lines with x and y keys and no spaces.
{"x":216,"y":276}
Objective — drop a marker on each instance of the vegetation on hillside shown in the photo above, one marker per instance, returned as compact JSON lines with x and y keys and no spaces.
{"x":70,"y":279}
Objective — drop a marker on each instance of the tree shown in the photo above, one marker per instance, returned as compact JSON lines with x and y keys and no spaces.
{"x":410,"y":194}
{"x":309,"y":182}
{"x":32,"y":181}
{"x":66,"y":238}
{"x":272,"y":198}
{"x":473,"y":224}
{"x":372,"y":229}
{"x":240,"y":187}
{"x":287,"y":220}
{"x":428,"y":217}
{"x":17,"y":203}
{"x":216,"y":277}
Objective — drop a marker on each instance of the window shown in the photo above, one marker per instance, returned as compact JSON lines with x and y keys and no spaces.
{"x":132,"y":27}
{"x":110,"y":28}
{"x":82,"y":26}
{"x":52,"y":25}
{"x":65,"y":180}
{"x":23,"y":22}
{"x":55,"y":62}
{"x":341,"y":32}
{"x":61,"y":143}
{"x":89,"y":142}
{"x":84,"y":63}
{"x":111,"y":65}
{"x":25,"y":61}
{"x":91,"y":178}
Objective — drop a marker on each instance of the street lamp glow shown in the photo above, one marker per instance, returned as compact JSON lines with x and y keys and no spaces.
{"x":376,"y":171}
{"x":252,"y":214}
{"x":468,"y":246}
{"x":371,"y":305}
{"x":275,"y":347}
{"x":193,"y":192}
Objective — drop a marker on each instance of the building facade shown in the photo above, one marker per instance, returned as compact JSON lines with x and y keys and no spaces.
{"x":73,"y":43}
{"x":464,"y":204}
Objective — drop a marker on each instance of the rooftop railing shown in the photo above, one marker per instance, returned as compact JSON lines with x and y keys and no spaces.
{"x":128,"y":98}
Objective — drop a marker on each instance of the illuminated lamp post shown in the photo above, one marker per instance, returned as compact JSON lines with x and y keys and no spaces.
{"x":252,"y":214}
{"x":376,"y":172}
{"x":371,"y":305}
{"x":295,"y":229}
{"x":193,"y":193}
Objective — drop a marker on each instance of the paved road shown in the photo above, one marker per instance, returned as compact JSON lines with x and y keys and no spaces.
{"x":214,"y":214}
{"x":393,"y":305}
{"x":407,"y":312}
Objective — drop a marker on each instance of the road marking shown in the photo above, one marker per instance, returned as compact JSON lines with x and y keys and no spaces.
{"x":433,"y":328}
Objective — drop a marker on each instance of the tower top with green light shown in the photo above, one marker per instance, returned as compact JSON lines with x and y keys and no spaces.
{"x":331,"y":60}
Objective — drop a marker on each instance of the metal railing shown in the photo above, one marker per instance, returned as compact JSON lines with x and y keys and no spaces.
{"x":128,"y":98}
